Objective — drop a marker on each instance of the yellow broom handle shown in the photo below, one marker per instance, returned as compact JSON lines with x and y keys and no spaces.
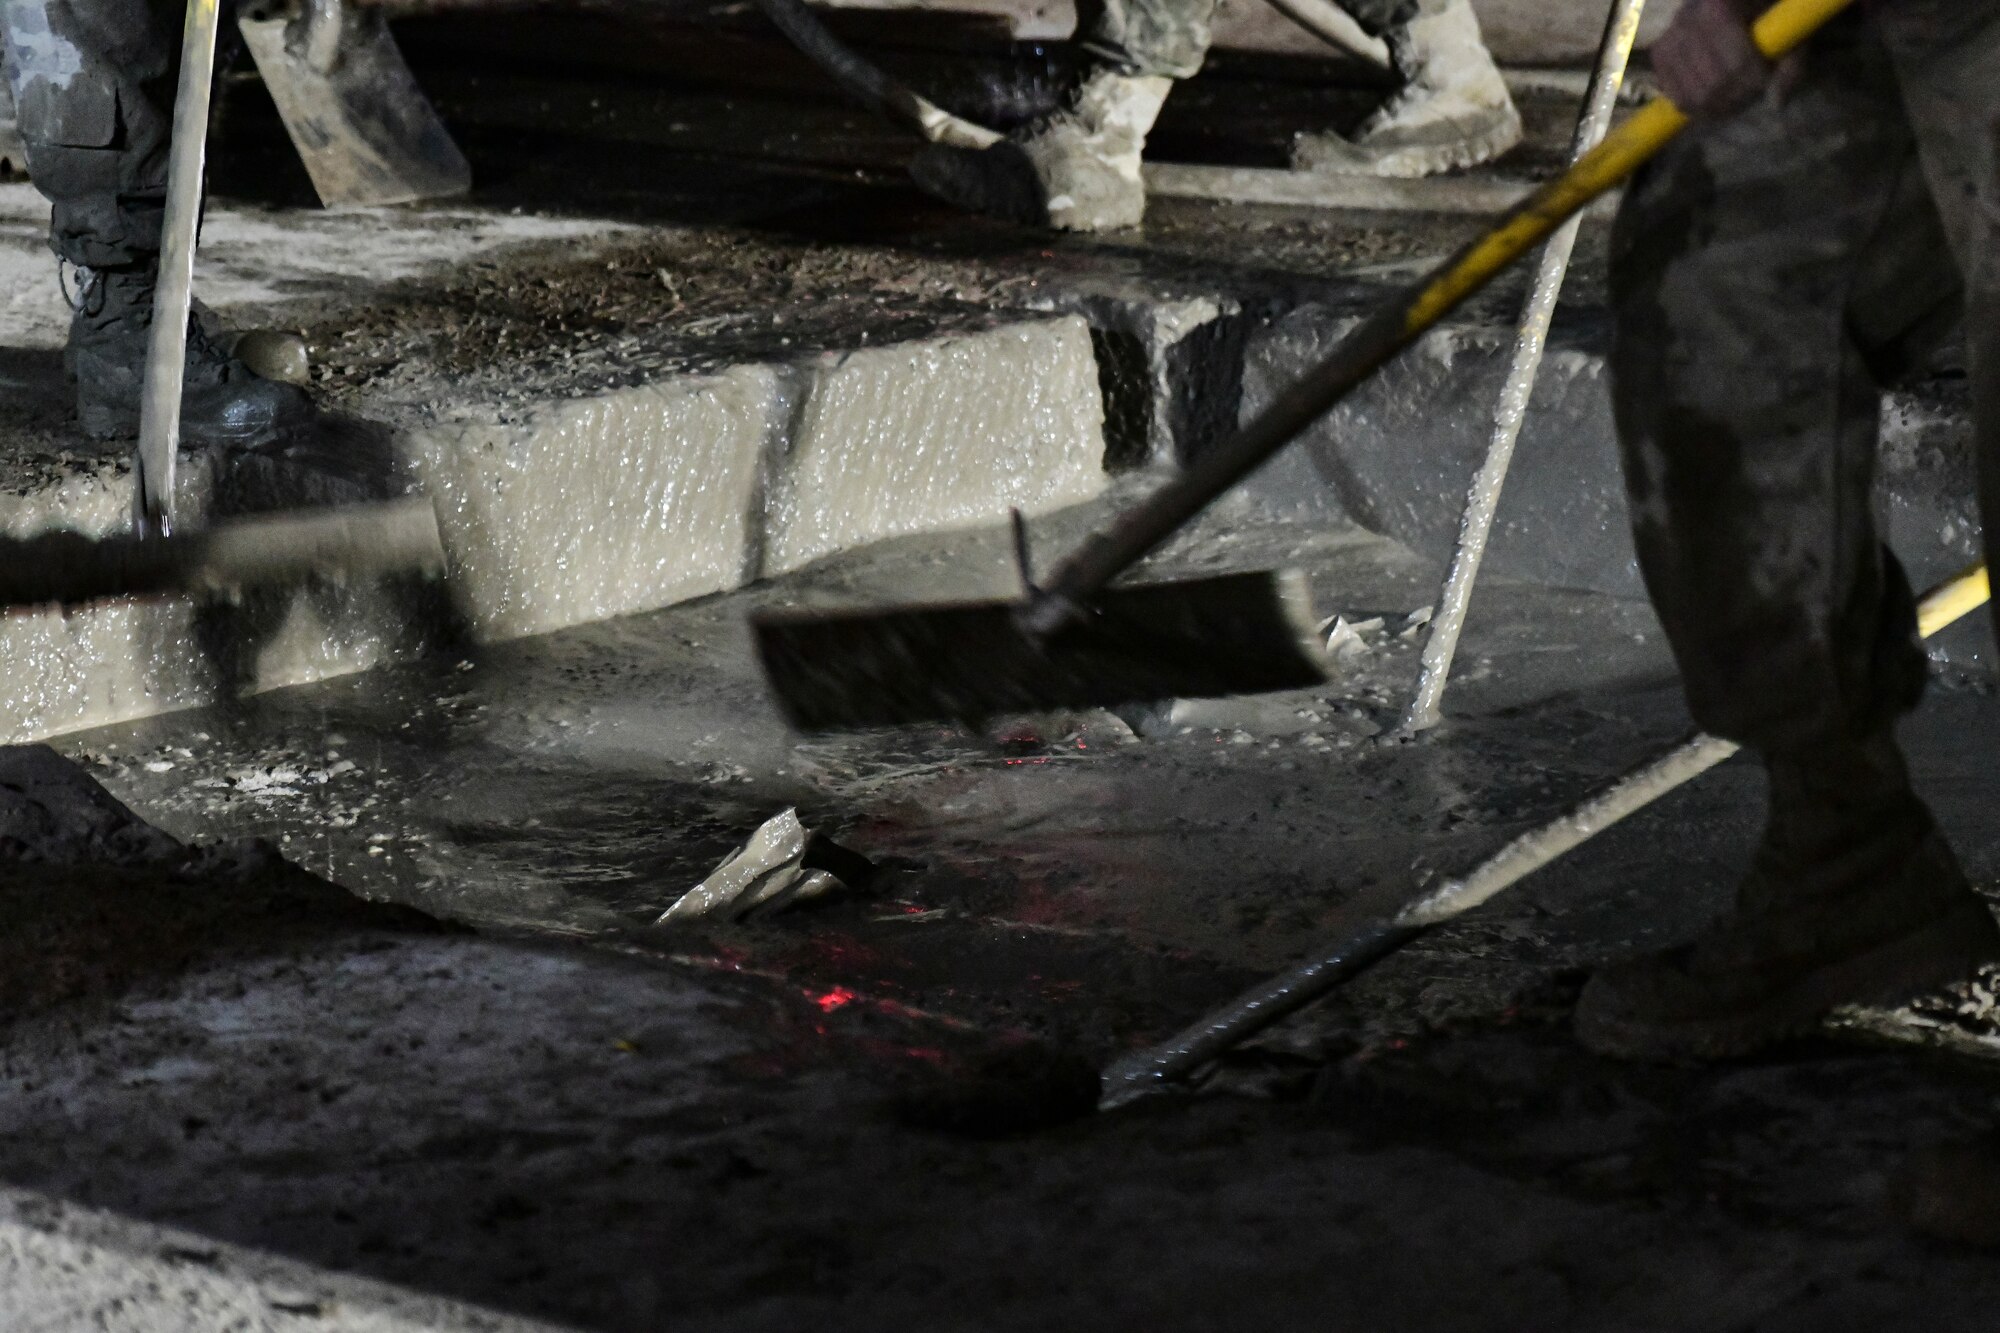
{"x":1953,"y":600}
{"x":1782,"y":30}
{"x":1385,"y":334}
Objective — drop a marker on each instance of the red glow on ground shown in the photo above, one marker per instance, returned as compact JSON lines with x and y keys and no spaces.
{"x":837,"y":998}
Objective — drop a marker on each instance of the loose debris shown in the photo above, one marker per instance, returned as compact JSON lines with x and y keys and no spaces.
{"x":782,"y":864}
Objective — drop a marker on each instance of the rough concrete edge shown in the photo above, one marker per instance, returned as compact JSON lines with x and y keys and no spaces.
{"x":59,"y":1258}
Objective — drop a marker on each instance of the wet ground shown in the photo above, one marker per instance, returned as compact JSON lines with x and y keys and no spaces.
{"x":579,"y":1114}
{"x":569,"y":1112}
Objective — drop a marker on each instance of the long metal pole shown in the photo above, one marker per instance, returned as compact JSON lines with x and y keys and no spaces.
{"x":1337,"y":28}
{"x":1157,"y":1067}
{"x":173,"y":297}
{"x":1090,"y":569}
{"x":1482,"y":501}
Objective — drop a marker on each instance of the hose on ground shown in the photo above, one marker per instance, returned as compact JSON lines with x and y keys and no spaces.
{"x":868,"y":83}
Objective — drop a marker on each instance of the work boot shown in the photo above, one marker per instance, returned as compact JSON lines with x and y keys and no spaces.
{"x":1453,"y":110}
{"x":1075,"y":170}
{"x":223,"y":401}
{"x":1853,"y":898}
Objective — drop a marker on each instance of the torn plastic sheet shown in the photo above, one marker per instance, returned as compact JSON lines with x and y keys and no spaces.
{"x":782,"y":863}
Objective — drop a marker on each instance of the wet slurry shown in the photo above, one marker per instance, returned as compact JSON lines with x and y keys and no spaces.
{"x":867,"y":1112}
{"x":575,"y":1113}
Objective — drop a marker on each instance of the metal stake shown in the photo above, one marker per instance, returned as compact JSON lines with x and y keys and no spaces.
{"x":1621,"y":33}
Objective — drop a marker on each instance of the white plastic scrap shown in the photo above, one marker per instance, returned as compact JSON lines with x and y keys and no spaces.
{"x":1345,"y":637}
{"x":768,"y":871}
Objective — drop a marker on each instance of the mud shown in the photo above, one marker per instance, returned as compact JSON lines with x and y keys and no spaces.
{"x":97,"y":901}
{"x":569,"y":1112}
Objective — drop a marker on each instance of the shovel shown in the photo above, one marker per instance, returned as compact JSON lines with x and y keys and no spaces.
{"x":366,"y":132}
{"x":352,"y":541}
{"x":345,"y":542}
{"x":1077,"y":641}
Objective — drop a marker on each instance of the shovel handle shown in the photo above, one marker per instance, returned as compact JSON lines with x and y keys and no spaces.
{"x":173,"y":296}
{"x":1392,"y":329}
{"x":349,"y":542}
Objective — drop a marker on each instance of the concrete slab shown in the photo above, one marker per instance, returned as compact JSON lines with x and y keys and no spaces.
{"x":574,"y":482}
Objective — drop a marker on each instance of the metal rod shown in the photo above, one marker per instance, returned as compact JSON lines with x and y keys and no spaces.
{"x":1783,"y":28}
{"x":1153,"y":1069}
{"x":868,"y":82}
{"x":1337,"y":28}
{"x":1482,"y":501}
{"x":173,"y":295}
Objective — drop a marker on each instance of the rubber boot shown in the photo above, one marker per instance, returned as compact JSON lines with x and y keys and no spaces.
{"x":1453,"y":111}
{"x":223,"y":401}
{"x":1075,"y":170}
{"x":1854,"y":898}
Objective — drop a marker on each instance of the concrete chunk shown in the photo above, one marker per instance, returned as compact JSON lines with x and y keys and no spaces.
{"x":945,"y":434}
{"x":628,"y":501}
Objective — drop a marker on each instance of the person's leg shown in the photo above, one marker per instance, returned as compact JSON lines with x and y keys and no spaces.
{"x":94,"y":84}
{"x":1763,"y":269}
{"x":13,"y":153}
{"x":93,"y":91}
{"x":1166,"y":39}
{"x":1452,"y":111}
{"x":1947,"y":55}
{"x":1079,"y":168}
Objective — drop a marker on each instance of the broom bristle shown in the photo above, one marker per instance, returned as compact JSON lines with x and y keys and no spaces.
{"x":1199,"y":638}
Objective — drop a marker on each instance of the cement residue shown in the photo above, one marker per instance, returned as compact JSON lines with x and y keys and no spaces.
{"x":96,"y":900}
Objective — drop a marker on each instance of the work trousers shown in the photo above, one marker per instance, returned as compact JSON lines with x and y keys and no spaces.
{"x":1771,"y":273}
{"x":1171,"y":37}
{"x":93,"y":84}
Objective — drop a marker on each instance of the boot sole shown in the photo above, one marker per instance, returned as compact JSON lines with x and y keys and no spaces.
{"x":1414,"y":163}
{"x":1947,"y":950}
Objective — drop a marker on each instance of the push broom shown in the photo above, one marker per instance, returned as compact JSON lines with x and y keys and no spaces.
{"x":1069,"y":641}
{"x":1080,"y":639}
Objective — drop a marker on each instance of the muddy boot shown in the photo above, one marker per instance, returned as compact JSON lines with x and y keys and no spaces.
{"x":223,"y":403}
{"x":1854,"y":897}
{"x":1453,"y":111}
{"x":1075,"y":170}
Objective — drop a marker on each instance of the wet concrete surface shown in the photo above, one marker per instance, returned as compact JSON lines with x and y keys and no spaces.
{"x":567,"y":1112}
{"x":577,"y":1115}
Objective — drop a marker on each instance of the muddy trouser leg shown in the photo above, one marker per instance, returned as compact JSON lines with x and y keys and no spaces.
{"x":1948,"y":53}
{"x":93,"y":82}
{"x":1761,"y":270}
{"x":1171,"y":37}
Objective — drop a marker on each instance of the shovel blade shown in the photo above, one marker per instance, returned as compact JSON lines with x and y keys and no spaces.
{"x":1201,"y":638}
{"x":365,"y":130}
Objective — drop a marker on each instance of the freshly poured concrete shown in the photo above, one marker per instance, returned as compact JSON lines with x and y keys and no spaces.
{"x":600,"y":506}
{"x":577,"y":1115}
{"x":637,"y":498}
{"x":1008,"y":419}
{"x":570,"y":488}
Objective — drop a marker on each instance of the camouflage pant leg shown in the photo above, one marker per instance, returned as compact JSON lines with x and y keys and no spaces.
{"x":1171,"y":37}
{"x":93,"y":87}
{"x":1949,"y":54}
{"x":1769,"y":274}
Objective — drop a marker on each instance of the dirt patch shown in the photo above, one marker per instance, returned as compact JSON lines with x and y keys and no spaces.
{"x":96,"y":900}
